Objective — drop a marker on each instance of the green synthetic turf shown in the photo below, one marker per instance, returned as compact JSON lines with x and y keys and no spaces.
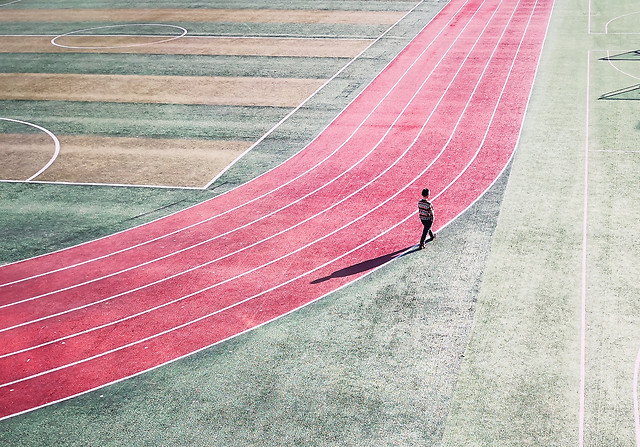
{"x":521,"y":384}
{"x":142,"y":120}
{"x":172,"y":65}
{"x":36,"y":219}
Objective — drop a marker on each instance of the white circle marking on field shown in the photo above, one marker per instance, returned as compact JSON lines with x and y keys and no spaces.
{"x":184,"y":32}
{"x":48,"y":132}
{"x":10,"y":3}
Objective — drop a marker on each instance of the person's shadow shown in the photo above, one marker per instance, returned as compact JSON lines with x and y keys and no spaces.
{"x":366,"y":265}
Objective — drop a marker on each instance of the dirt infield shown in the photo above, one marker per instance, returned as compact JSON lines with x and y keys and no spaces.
{"x":201,"y":15}
{"x":187,"y":45}
{"x":138,"y":161}
{"x":157,"y":89}
{"x":24,"y":155}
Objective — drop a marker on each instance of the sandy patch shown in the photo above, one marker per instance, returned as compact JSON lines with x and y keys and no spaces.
{"x":141,"y":161}
{"x":23,"y":155}
{"x":201,"y":15}
{"x":266,"y":92}
{"x":188,"y":45}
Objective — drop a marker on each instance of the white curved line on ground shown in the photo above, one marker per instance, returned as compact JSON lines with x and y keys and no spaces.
{"x":443,"y":150}
{"x":606,"y":26}
{"x":263,"y":195}
{"x":10,"y":3}
{"x":290,"y":204}
{"x":56,"y":143}
{"x":53,"y":41}
{"x":618,"y":68}
{"x":224,"y":193}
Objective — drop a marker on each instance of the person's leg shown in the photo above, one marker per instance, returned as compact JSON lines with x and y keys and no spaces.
{"x":425,"y":230}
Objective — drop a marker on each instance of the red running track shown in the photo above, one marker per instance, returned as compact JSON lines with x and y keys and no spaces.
{"x":445,"y":113}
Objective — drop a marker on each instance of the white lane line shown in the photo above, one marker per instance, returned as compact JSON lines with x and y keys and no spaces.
{"x":358,"y":128}
{"x":583,"y":316}
{"x":56,"y":143}
{"x":636,"y":410}
{"x":299,"y":223}
{"x":443,"y":150}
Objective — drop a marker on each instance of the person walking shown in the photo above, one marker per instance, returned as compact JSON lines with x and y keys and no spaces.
{"x":425,"y":211}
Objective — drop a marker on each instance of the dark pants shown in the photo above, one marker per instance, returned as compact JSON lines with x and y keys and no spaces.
{"x":427,"y":230}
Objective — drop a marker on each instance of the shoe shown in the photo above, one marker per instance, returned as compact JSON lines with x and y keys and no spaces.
{"x":421,"y":246}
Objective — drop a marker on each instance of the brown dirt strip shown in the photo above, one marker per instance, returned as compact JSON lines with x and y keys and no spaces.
{"x":188,"y":45}
{"x":266,"y":92}
{"x":131,"y":161}
{"x":201,"y":15}
{"x":23,"y":155}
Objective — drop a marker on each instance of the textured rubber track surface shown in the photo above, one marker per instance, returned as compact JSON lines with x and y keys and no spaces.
{"x":446,"y":113}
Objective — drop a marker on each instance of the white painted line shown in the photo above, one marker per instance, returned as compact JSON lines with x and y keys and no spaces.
{"x":183,"y":30}
{"x":606,"y":26}
{"x":56,"y":143}
{"x":583,"y":307}
{"x":636,"y":410}
{"x":611,"y":62}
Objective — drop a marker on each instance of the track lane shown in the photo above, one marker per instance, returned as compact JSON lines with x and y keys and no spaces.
{"x":288,"y":295}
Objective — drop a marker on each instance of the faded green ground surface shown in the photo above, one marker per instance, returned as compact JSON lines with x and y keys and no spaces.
{"x":521,"y":382}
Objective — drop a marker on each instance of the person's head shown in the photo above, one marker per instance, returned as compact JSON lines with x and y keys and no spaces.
{"x":425,"y":193}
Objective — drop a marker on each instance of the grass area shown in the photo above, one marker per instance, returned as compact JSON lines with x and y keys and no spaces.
{"x":171,"y":65}
{"x":37,"y":219}
{"x":143,"y":120}
{"x":521,"y":384}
